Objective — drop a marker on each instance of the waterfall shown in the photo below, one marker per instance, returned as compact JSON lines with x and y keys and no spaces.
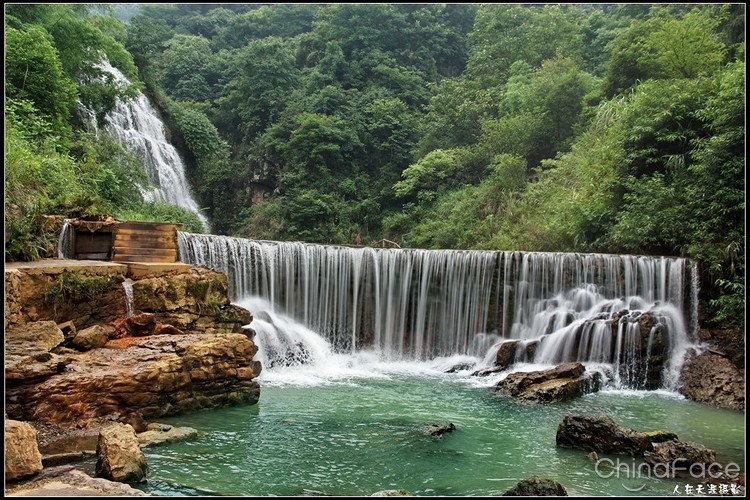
{"x":127,"y":285}
{"x":629,"y":312}
{"x":65,"y":248}
{"x":409,"y":303}
{"x":136,"y":124}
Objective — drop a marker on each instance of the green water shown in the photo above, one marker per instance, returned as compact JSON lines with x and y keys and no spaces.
{"x":361,"y":433}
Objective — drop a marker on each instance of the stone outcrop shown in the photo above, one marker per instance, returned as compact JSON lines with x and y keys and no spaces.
{"x":27,"y":353}
{"x":63,"y":291}
{"x":711,"y":378}
{"x":439,"y":428}
{"x":157,"y":433}
{"x":562,"y":382}
{"x":22,"y":457}
{"x":602,"y":435}
{"x":392,"y":493}
{"x":156,"y":376}
{"x":537,"y":486}
{"x":506,"y":354}
{"x":119,"y":456}
{"x":147,"y":367}
{"x":196,"y":301}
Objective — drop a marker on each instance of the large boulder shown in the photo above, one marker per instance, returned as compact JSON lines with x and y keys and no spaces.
{"x":22,"y":457}
{"x":559,"y":389}
{"x":537,"y":486}
{"x":518,"y":382}
{"x":119,"y":456}
{"x":506,"y":354}
{"x":711,"y":378}
{"x":562,"y":382}
{"x":602,"y":435}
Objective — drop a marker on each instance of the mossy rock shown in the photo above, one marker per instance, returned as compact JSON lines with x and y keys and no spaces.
{"x":661,"y":436}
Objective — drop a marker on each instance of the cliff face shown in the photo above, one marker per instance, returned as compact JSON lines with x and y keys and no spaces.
{"x":203,"y":358}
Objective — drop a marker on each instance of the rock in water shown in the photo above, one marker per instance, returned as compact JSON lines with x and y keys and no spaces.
{"x":438,"y":429}
{"x":600,"y":434}
{"x":119,"y":456}
{"x":536,"y":486}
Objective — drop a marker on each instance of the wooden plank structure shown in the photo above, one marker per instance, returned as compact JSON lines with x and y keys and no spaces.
{"x":93,"y":245}
{"x":93,"y":237}
{"x":152,"y":242}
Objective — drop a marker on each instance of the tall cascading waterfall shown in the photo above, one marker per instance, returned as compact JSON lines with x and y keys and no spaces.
{"x":136,"y":123}
{"x":628,"y":312}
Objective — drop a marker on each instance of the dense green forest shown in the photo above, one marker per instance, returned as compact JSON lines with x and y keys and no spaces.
{"x":565,"y":127}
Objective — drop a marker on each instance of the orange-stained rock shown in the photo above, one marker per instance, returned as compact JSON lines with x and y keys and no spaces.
{"x":157,"y":376}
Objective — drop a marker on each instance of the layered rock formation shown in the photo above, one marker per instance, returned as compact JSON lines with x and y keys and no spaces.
{"x":643,"y":367}
{"x":195,"y":301}
{"x":203,"y":359}
{"x":155,"y":376}
{"x":84,"y":292}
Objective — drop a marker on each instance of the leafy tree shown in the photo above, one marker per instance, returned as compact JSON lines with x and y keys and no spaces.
{"x":423,"y":179}
{"x":506,"y":33}
{"x":259,"y":94}
{"x":688,"y":47}
{"x":183,"y":66}
{"x":666,"y":46}
{"x":34,"y":73}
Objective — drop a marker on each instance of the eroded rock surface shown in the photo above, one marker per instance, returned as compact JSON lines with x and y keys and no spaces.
{"x":67,"y":481}
{"x":537,"y":486}
{"x":156,"y":376}
{"x":713,"y":379}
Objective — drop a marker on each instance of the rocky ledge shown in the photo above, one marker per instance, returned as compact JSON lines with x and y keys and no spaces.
{"x":62,"y":369}
{"x":154,"y":376}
